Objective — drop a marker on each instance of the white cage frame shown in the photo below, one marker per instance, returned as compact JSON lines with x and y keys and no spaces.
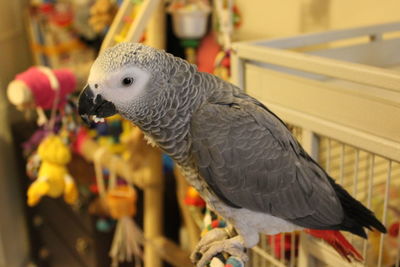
{"x":341,"y":85}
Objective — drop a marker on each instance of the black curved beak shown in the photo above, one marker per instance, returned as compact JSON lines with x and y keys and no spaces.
{"x":89,"y":105}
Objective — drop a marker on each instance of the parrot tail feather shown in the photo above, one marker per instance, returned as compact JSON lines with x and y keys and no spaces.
{"x":338,"y":242}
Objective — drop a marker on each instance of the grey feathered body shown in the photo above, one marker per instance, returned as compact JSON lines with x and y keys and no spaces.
{"x":193,"y":119}
{"x":239,"y":156}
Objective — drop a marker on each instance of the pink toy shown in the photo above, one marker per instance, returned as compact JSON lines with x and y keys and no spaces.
{"x":41,"y":86}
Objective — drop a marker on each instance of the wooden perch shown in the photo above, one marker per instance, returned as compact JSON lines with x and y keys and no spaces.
{"x":171,"y":253}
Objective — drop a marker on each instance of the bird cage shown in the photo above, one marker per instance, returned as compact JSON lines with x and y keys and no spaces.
{"x":339,"y":92}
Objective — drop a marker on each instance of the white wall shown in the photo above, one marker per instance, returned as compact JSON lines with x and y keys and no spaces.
{"x":267,"y":18}
{"x":364,"y":12}
{"x":272,"y":18}
{"x":14,"y":55}
{"x":14,"y":58}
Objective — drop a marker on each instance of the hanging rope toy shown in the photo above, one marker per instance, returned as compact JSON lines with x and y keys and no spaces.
{"x":45,"y":89}
{"x":121,"y":203}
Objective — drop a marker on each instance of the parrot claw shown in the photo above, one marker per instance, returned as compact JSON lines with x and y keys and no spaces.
{"x":233,"y":246}
{"x":216,"y":234}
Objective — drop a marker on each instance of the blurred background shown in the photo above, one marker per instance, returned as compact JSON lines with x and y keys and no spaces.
{"x":46,"y":50}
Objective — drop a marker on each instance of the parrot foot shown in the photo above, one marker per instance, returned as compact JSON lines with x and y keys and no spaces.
{"x":233,"y":246}
{"x":212,"y":236}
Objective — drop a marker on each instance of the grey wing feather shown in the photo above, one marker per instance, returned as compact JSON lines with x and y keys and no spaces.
{"x":249,"y":159}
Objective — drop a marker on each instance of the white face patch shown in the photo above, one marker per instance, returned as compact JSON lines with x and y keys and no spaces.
{"x":119,"y":87}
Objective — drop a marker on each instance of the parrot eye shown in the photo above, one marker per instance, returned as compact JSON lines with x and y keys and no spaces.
{"x":127,"y":81}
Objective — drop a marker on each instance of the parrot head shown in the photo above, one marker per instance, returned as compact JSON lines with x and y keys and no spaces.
{"x":123,"y":79}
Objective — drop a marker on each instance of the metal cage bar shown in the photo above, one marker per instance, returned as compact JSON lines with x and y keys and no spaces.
{"x":359,"y":172}
{"x":353,"y":149}
{"x":397,"y":264}
{"x":385,"y":207}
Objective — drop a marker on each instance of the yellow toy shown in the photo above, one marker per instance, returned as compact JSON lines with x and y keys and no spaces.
{"x":53,"y":177}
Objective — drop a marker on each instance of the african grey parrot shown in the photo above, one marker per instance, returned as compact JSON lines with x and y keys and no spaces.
{"x":240,"y":156}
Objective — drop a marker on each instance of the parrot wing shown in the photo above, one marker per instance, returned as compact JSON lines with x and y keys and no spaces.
{"x":249,"y":159}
